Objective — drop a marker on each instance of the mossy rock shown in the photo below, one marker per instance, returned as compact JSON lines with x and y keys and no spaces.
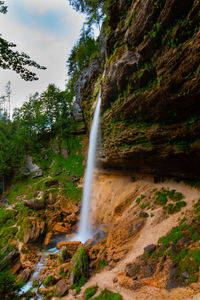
{"x":50,"y":280}
{"x":79,"y":267}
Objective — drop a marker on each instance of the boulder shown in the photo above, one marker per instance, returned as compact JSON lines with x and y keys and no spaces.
{"x":47,"y":238}
{"x":35,"y":204}
{"x":70,"y":247}
{"x":34,"y":230}
{"x":68,"y":207}
{"x":51,"y":182}
{"x":10,"y":259}
{"x":185,"y":275}
{"x":50,"y":280}
{"x":143,"y":214}
{"x":38,"y":173}
{"x":16,"y":266}
{"x":150,"y":248}
{"x":29,"y":165}
{"x":129,"y":270}
{"x":61,"y":288}
{"x":25,"y":275}
{"x":61,"y":227}
{"x":71,"y":219}
{"x":73,"y":179}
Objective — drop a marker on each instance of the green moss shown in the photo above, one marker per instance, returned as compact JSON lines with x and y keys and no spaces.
{"x":79,"y":269}
{"x":62,"y":273}
{"x":5,"y":215}
{"x":165,"y":195}
{"x":193,"y":278}
{"x":63,"y":255}
{"x":108,"y":295}
{"x":90,"y":291}
{"x":172,"y":208}
{"x":174,"y":235}
{"x":101,"y":263}
{"x":49,"y":280}
{"x":72,"y":191}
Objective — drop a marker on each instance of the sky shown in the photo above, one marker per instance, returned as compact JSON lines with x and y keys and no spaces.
{"x":46,"y":30}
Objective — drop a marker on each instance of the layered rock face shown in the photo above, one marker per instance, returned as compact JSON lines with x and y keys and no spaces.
{"x":150,"y":94}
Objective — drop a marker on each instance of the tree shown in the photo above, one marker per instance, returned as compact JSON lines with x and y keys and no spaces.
{"x":18,"y":62}
{"x":94,"y":9}
{"x":48,"y":112}
{"x":8,"y":93}
{"x":84,"y":50}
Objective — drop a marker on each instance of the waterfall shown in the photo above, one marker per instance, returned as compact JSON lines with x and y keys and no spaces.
{"x":85,"y":231}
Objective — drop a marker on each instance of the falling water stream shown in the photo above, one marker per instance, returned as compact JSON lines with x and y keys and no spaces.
{"x":85,"y":231}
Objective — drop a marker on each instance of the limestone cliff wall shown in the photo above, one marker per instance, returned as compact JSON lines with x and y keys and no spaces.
{"x":150,"y":94}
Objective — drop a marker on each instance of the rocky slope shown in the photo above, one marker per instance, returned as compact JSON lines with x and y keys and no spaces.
{"x":43,"y":201}
{"x":150,"y":93}
{"x":146,"y":245}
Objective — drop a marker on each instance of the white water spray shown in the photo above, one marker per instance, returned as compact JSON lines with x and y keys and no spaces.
{"x":85,"y":231}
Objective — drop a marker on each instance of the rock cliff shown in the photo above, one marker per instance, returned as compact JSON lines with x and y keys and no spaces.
{"x":150,"y":93}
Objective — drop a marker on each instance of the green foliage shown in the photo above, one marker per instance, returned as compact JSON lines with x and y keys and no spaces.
{"x":161,"y":198}
{"x":11,"y":149}
{"x":8,"y":285}
{"x":174,"y":235}
{"x":81,"y":54}
{"x":108,"y":295}
{"x":41,"y":117}
{"x":90,"y":291}
{"x":172,"y":208}
{"x":94,"y":9}
{"x":102,"y":263}
{"x":43,"y":113}
{"x":138,"y":200}
{"x":5,"y":215}
{"x":15,"y":60}
{"x":62,"y":273}
{"x":165,"y":195}
{"x":49,"y":280}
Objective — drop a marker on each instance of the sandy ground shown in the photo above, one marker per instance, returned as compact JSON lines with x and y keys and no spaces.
{"x":109,"y":191}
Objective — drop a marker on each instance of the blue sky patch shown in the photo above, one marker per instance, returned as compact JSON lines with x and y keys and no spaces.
{"x":50,"y":21}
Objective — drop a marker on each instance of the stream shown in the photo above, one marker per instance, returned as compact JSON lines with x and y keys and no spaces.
{"x":43,"y":254}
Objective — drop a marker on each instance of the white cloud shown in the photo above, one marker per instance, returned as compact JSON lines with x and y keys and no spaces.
{"x":43,"y":47}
